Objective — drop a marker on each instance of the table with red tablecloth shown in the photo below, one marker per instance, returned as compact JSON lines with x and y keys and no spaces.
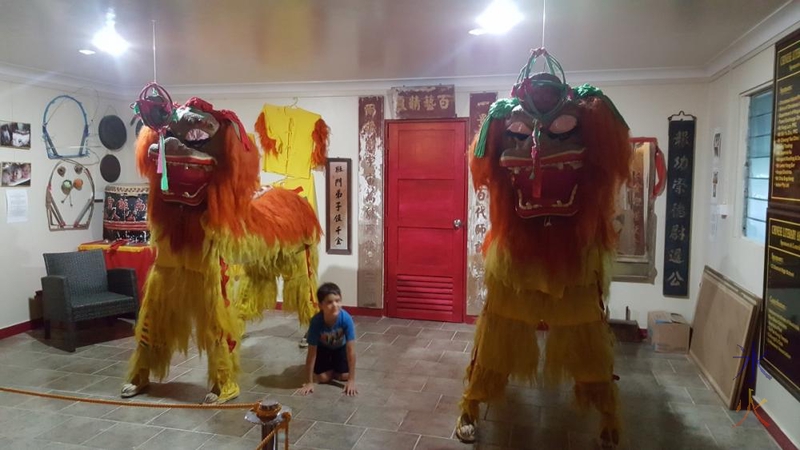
{"x":119,"y":254}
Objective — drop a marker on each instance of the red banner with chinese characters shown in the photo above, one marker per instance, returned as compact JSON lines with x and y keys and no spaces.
{"x":424,"y":102}
{"x":479,"y":104}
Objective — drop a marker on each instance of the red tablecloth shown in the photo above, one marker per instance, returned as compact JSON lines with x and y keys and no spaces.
{"x":119,"y":254}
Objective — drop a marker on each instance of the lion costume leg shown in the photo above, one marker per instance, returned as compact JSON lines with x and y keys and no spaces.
{"x":584,"y":352}
{"x":186,"y":291}
{"x":505,"y":346}
{"x":163,"y":327}
{"x":579,"y":347}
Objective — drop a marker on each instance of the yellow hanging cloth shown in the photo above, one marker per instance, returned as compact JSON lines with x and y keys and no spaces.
{"x":294,"y":140}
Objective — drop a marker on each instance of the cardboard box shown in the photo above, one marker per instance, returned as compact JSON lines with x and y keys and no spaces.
{"x":668,"y":332}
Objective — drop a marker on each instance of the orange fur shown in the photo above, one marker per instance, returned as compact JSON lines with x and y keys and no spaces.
{"x":268,"y":144}
{"x":278,"y":215}
{"x":291,"y":216}
{"x":560,"y":245}
{"x":321,"y":136}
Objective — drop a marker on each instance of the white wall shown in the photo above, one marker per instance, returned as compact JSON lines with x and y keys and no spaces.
{"x":646,"y":108}
{"x":737,"y":257}
{"x":21,"y":263}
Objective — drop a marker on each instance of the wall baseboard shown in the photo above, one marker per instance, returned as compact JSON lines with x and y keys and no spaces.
{"x":775,"y":431}
{"x":20,"y":328}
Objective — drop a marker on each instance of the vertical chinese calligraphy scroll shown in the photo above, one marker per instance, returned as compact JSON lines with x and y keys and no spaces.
{"x":478,"y":224}
{"x":370,"y":202}
{"x":677,"y":239}
{"x":337,"y":206}
{"x":424,"y":102}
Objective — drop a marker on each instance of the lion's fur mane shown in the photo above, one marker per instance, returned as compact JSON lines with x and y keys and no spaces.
{"x":560,"y":245}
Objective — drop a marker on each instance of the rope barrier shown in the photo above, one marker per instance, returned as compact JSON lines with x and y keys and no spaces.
{"x":261,"y":446}
{"x":98,"y":401}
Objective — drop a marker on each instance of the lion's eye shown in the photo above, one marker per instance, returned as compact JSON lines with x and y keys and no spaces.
{"x":563,"y":124}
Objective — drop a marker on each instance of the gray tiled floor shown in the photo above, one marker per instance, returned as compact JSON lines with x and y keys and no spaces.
{"x":409,"y":378}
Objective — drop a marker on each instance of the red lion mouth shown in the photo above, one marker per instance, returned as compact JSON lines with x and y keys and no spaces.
{"x":189,"y":170}
{"x":549,"y":189}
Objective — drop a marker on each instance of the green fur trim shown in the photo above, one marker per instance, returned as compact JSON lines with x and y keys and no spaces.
{"x":587,"y":90}
{"x":500,"y":108}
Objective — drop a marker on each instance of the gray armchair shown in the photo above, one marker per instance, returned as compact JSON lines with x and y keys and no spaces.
{"x":78,"y":287}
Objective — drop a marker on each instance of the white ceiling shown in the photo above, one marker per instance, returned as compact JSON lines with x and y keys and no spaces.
{"x":230,"y":42}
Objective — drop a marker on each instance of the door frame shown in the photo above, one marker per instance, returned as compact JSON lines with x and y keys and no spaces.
{"x":386,"y":174}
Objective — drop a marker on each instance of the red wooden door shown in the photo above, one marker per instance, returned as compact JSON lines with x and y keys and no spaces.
{"x":426,"y":192}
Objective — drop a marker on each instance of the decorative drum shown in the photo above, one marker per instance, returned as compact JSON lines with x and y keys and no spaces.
{"x":125,"y":213}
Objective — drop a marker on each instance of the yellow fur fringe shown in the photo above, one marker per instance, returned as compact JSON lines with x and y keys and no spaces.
{"x":579,"y":344}
{"x":262,"y":263}
{"x":183,"y":299}
{"x":601,"y":396}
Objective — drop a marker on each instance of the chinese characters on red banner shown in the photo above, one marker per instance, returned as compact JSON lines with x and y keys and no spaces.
{"x":338,"y":206}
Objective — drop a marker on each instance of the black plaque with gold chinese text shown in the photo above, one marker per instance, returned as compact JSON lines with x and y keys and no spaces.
{"x":424,"y":102}
{"x":785,"y":166}
{"x":337,"y":206}
{"x":780,"y":343}
{"x":677,"y":246}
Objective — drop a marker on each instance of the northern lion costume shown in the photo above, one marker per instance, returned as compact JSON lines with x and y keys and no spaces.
{"x":206,"y":212}
{"x":553,"y":159}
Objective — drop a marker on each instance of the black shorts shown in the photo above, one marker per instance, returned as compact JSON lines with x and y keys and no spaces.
{"x":335,"y":360}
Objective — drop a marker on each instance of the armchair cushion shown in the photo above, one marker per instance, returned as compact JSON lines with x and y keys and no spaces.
{"x":123,"y":281}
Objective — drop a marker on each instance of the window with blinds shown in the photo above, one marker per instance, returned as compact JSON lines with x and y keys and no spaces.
{"x":756,"y":186}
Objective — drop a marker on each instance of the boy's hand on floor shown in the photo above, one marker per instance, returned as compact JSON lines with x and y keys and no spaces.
{"x":350,"y":388}
{"x":307,"y":389}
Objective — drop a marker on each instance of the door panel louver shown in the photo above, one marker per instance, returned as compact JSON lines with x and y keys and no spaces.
{"x":420,"y":293}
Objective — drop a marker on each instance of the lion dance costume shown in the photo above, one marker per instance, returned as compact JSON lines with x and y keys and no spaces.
{"x":553,"y":159}
{"x":205,"y":216}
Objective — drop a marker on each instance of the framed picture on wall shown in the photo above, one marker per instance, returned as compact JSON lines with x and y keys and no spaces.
{"x":16,"y":174}
{"x":338,"y":219}
{"x":15,"y":135}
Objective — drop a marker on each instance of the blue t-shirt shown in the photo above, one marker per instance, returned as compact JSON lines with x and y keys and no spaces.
{"x":334,"y":337}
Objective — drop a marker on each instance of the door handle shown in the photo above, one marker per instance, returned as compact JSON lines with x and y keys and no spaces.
{"x":457,"y":224}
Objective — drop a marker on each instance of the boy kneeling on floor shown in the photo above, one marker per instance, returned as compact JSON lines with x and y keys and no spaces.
{"x":331,"y":343}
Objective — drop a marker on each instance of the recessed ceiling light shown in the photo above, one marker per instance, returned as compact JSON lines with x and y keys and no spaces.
{"x":86,"y":51}
{"x":108,"y":40}
{"x":499,"y":17}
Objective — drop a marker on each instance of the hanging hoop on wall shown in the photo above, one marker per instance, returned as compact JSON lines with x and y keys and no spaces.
{"x":52,"y":153}
{"x":69,"y":196}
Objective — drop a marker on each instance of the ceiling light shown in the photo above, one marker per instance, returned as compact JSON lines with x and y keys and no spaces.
{"x":108,"y":40}
{"x":498,"y":18}
{"x":86,"y":51}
